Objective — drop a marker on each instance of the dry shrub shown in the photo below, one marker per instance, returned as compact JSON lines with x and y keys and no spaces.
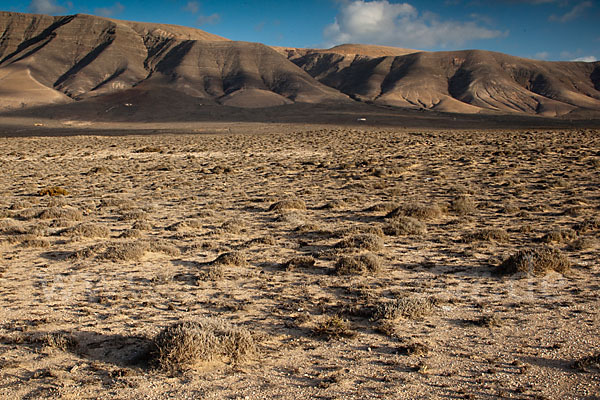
{"x":186,"y":345}
{"x":67,"y":214}
{"x":164,"y":247}
{"x":463,"y":205}
{"x":310,"y":227}
{"x":149,"y":149}
{"x":361,"y":229}
{"x":404,"y":226}
{"x":87,"y":252}
{"x":591,"y":224}
{"x":184,"y":225}
{"x":235,"y":258}
{"x":233,"y":226}
{"x":53,"y":191}
{"x":588,"y":363}
{"x":87,"y":230}
{"x":127,"y":251}
{"x":131,"y":234}
{"x":333,"y":205}
{"x":142,"y":225}
{"x":364,"y":241}
{"x":559,"y":236}
{"x":414,"y":349}
{"x":582,"y":244}
{"x":488,"y":321}
{"x":537,"y":262}
{"x":98,"y":170}
{"x":510,"y":208}
{"x":358,"y":264}
{"x":577,"y":211}
{"x":404,"y":307}
{"x":59,"y":340}
{"x":300,"y":262}
{"x":419,"y":211}
{"x":383,"y":207}
{"x":123,"y":204}
{"x":214,"y":272}
{"x":488,"y":235}
{"x":333,"y":328}
{"x":290,"y":217}
{"x":27,"y":214}
{"x":290,"y":204}
{"x":9,"y":227}
{"x":264,"y":240}
{"x":133,"y":215}
{"x":30,"y":240}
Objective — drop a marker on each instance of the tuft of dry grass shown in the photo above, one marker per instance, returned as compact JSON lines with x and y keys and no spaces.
{"x":300,"y":262}
{"x":538,"y":262}
{"x":333,"y":327}
{"x":31,"y":240}
{"x":404,"y":307}
{"x":149,"y":149}
{"x":86,"y":230}
{"x":414,"y":349}
{"x":488,"y":235}
{"x":364,"y":241}
{"x":133,"y":215}
{"x":214,"y":272}
{"x":405,"y":226}
{"x":360,"y":229}
{"x":289,"y":204}
{"x":463,"y":205}
{"x":67,"y":214}
{"x":59,"y":340}
{"x":142,"y":226}
{"x":588,"y":363}
{"x":358,"y":264}
{"x":126,"y":251}
{"x":185,"y":345}
{"x":164,"y":247}
{"x":383,"y":207}
{"x":421,"y":212}
{"x":53,"y":191}
{"x":590,"y":224}
{"x":559,"y":236}
{"x":235,"y":258}
{"x":582,"y":244}
{"x":488,"y":321}
{"x":233,"y":226}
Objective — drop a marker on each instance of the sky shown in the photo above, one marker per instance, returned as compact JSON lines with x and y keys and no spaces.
{"x":554,"y":30}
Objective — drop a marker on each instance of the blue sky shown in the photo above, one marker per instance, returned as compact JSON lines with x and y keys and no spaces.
{"x":541,"y":29}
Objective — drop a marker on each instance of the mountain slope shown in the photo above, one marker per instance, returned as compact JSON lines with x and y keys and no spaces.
{"x":461,"y":81}
{"x":83,"y":56}
{"x":107,"y":63}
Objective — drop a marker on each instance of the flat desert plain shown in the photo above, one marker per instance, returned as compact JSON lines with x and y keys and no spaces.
{"x":301,"y":262}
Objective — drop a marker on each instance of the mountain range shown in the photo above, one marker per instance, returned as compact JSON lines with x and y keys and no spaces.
{"x":111,"y":65}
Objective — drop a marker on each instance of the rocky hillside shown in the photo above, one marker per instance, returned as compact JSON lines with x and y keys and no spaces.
{"x":82,"y":58}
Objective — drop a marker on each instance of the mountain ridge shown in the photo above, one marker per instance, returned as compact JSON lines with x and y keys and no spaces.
{"x":47,"y":60}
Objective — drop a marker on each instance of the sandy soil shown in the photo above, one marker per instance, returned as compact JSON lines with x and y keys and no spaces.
{"x":126,"y":246}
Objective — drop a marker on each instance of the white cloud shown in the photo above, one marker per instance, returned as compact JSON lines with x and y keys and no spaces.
{"x":575,"y":13}
{"x":542,"y":55}
{"x":384,"y":23}
{"x":586,"y":59}
{"x":208,"y":19}
{"x":46,"y":7}
{"x":115,"y":9}
{"x":192,"y":7}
